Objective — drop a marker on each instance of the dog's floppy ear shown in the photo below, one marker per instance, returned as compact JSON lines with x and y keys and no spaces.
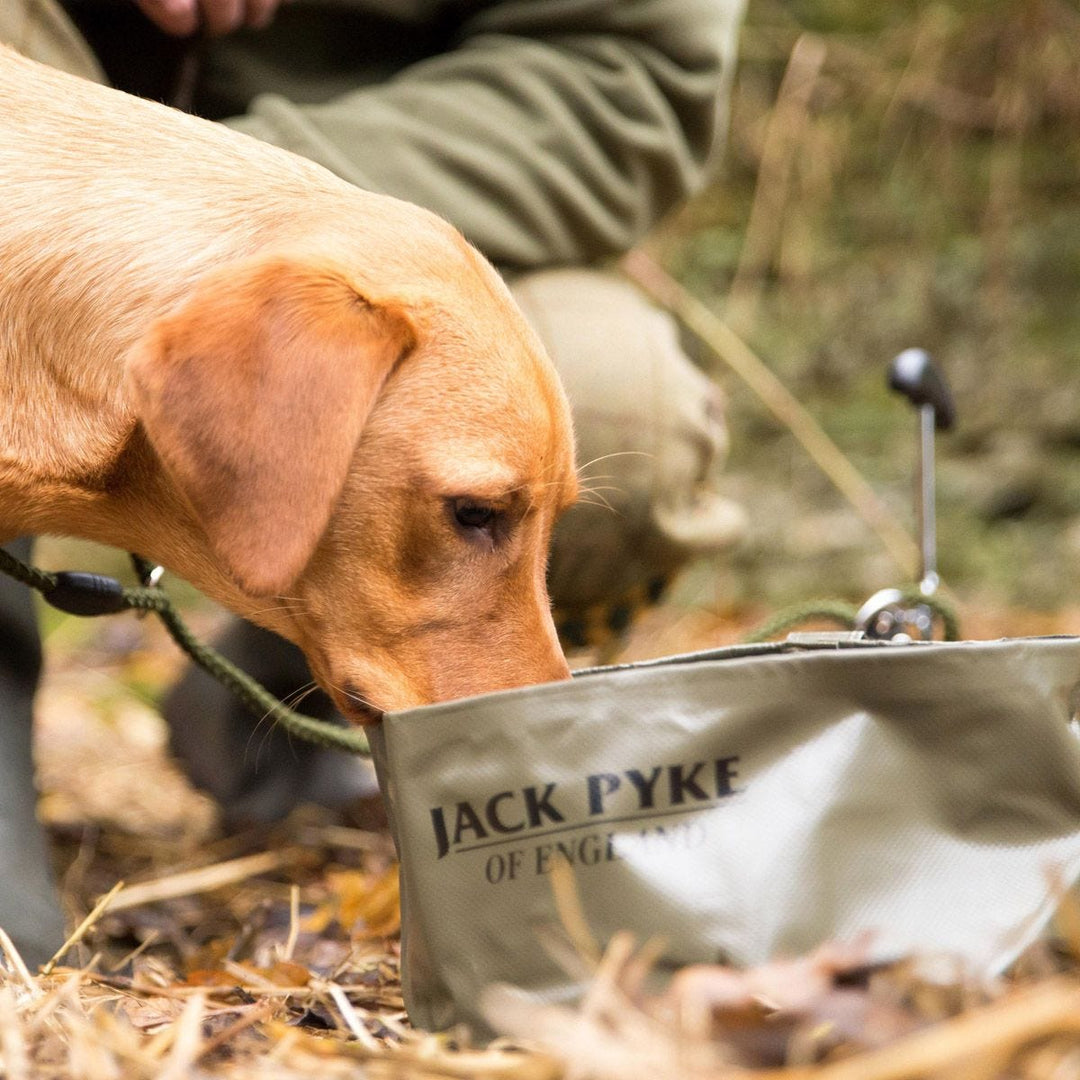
{"x":253,"y":393}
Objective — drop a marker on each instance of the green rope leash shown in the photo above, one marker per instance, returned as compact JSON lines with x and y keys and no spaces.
{"x":844,"y":615}
{"x":833,"y":611}
{"x":96,"y":594}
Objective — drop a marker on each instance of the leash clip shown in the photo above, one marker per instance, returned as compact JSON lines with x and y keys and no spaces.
{"x":150,"y":578}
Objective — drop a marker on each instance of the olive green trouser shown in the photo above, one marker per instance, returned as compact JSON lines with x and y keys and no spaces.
{"x":40,"y":29}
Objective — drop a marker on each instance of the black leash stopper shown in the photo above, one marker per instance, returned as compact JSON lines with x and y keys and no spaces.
{"x":79,"y":593}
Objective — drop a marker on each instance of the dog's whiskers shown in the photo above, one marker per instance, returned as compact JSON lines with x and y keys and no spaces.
{"x":352,"y":695}
{"x":594,"y":496}
{"x":614,"y":454}
{"x":294,"y":605}
{"x":301,"y":694}
{"x":264,"y":728}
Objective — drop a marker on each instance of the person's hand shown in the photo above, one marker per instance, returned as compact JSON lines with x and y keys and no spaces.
{"x":183,"y":17}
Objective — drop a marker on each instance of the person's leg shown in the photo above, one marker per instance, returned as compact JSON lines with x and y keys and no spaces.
{"x":29,"y":905}
{"x":651,"y":443}
{"x":651,"y":439}
{"x":41,"y":30}
{"x":256,"y":771}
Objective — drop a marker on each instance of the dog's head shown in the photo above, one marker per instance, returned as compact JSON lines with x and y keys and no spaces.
{"x":375,"y":471}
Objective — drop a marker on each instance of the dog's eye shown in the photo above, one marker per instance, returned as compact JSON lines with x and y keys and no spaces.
{"x":474,"y":515}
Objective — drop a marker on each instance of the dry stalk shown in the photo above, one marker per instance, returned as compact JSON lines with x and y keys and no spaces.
{"x":187,"y":1041}
{"x":927,"y":53}
{"x":147,"y":942}
{"x":204,"y":879}
{"x":572,"y":914}
{"x":776,"y":397}
{"x":253,"y":1014}
{"x":1067,"y":916}
{"x":784,"y":135}
{"x":83,"y":928}
{"x":995,"y":1032}
{"x":340,"y":836}
{"x":429,"y":1056}
{"x":14,"y":1059}
{"x":868,"y":71}
{"x":294,"y":923}
{"x":16,"y":962}
{"x":348,"y":1013}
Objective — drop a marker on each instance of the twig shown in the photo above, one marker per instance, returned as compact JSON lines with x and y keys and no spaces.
{"x":82,"y":929}
{"x":572,"y":914}
{"x":187,"y":1041}
{"x":252,"y":1014}
{"x":923,"y":63}
{"x":294,"y":923}
{"x":342,"y":836}
{"x":776,"y":397}
{"x":246,"y":979}
{"x":150,"y":939}
{"x":783,"y":136}
{"x":7,"y":946}
{"x":1050,"y":1008}
{"x":14,"y":1059}
{"x":204,"y":879}
{"x":352,"y":1020}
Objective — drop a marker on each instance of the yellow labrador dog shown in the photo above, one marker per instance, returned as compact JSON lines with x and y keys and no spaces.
{"x":318,"y":405}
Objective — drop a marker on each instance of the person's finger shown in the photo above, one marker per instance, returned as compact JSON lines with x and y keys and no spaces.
{"x":222,"y":16}
{"x":177,"y":17}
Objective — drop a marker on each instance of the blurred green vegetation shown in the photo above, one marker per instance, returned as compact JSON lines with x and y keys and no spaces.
{"x":901,"y":175}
